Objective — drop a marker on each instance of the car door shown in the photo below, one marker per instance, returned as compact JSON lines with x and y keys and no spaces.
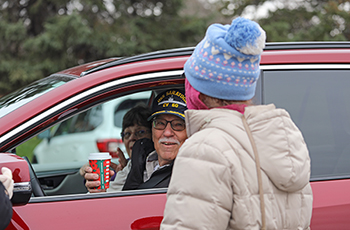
{"x":66,"y":195}
{"x":141,"y":209}
{"x":317,"y":98}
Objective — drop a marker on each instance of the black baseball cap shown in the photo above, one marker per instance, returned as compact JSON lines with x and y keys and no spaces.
{"x":171,"y":101}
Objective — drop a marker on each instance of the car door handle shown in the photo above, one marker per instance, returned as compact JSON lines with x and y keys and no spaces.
{"x":149,"y":223}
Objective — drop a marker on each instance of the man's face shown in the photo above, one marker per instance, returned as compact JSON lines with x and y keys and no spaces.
{"x":132,"y":134}
{"x":168,"y":141}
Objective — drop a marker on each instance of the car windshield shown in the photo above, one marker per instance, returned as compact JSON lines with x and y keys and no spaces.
{"x":22,"y":96}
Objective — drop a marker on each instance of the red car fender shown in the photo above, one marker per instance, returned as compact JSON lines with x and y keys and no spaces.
{"x":17,"y":223}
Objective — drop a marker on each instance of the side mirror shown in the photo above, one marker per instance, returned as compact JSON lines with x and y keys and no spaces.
{"x":22,"y":190}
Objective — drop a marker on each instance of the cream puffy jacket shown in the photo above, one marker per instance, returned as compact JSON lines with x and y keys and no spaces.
{"x":214,"y":182}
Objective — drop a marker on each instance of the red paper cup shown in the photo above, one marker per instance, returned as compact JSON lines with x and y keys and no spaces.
{"x":100,"y":163}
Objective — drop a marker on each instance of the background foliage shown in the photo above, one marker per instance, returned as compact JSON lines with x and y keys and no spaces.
{"x":40,"y":37}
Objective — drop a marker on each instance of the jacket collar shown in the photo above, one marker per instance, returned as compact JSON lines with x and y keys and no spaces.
{"x":222,"y":118}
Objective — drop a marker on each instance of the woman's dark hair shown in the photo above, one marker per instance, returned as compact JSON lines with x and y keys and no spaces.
{"x":138,"y":115}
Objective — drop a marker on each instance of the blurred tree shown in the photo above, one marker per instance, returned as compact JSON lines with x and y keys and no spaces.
{"x":39,"y":37}
{"x":231,"y":8}
{"x":309,"y":21}
{"x":301,"y":20}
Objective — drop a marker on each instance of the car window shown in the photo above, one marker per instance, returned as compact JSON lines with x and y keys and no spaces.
{"x":83,"y":122}
{"x":123,"y":108}
{"x":318,"y":102}
{"x":60,"y":151}
{"x":22,"y":96}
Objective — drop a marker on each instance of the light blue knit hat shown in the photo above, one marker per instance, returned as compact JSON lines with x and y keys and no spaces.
{"x":225,"y":64}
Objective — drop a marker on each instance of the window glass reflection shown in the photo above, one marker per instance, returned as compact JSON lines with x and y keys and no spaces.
{"x":22,"y":96}
{"x":318,"y":102}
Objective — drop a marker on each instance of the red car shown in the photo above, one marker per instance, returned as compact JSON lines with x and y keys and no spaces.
{"x":310,"y":80}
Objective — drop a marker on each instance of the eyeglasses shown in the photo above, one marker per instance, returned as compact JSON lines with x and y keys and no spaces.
{"x":177,"y":124}
{"x":139,"y":134}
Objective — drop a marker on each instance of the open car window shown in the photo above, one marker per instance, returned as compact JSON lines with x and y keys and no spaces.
{"x":58,"y":153}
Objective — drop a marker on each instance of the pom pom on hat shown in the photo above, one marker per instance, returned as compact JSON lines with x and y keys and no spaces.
{"x":225,"y":64}
{"x":246,"y":36}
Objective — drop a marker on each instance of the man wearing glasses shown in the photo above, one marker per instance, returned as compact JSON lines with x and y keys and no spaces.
{"x":153,"y":169}
{"x":152,"y":160}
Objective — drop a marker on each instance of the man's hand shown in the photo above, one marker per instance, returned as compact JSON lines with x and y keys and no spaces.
{"x":91,"y":178}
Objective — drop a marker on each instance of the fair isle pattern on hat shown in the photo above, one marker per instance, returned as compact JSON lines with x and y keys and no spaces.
{"x":228,"y":67}
{"x":220,"y":66}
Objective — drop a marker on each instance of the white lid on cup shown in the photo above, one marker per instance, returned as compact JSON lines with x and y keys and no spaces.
{"x":100,"y":156}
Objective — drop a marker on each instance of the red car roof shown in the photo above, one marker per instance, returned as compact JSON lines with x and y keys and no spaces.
{"x":77,"y":70}
{"x":274,"y":53}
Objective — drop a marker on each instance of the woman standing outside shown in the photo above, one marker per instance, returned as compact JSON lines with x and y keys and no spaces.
{"x":243,"y":166}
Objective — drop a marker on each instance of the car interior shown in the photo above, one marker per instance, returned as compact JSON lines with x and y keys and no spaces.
{"x":63,"y":178}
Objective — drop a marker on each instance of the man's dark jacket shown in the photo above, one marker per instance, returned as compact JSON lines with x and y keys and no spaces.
{"x":159,"y":179}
